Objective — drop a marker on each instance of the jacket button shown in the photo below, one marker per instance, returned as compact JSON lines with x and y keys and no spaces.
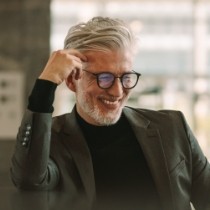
{"x":28,"y":127}
{"x":24,"y":144}
{"x":27,"y":133}
{"x":25,"y":139}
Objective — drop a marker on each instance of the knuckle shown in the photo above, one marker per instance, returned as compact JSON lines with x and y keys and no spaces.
{"x":59,"y":52}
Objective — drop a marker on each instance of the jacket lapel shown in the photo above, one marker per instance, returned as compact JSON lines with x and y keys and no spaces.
{"x":149,"y":140}
{"x":78,"y":147}
{"x":151,"y":144}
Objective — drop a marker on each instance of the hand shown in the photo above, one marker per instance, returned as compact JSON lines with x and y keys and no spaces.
{"x":61,"y":64}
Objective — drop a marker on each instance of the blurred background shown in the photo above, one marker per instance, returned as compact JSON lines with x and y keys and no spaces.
{"x":173,"y":55}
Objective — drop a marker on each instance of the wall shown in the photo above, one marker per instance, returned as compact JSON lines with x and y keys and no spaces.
{"x":24,"y":50}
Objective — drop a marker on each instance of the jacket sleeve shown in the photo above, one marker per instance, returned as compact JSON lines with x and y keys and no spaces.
{"x":31,"y":166}
{"x":200,"y":191}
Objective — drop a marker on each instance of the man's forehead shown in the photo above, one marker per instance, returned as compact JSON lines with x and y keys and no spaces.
{"x":95,"y":59}
{"x":101,"y":58}
{"x":95,"y":55}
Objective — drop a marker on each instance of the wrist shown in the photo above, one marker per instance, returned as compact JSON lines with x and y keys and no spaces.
{"x":42,"y":96}
{"x":51,"y":78}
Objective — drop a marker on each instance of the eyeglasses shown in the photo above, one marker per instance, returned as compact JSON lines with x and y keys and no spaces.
{"x":106,"y":79}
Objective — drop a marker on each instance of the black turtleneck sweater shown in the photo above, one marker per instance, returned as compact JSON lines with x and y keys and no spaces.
{"x":122,"y":176}
{"x":121,"y":171}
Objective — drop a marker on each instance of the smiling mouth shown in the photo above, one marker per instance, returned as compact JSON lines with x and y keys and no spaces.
{"x":110,"y":104}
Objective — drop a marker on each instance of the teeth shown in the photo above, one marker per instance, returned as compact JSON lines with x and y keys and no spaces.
{"x":110,"y":102}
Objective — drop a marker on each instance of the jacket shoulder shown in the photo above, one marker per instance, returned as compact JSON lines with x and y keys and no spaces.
{"x":149,"y":113}
{"x":59,"y":121}
{"x":159,"y":118}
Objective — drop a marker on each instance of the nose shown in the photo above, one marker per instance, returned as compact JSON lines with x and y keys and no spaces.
{"x":116,"y":89}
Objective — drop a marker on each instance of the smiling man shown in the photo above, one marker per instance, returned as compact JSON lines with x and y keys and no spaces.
{"x":117,"y":157}
{"x":100,"y":99}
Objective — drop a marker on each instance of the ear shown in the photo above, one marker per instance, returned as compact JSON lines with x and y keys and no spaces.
{"x":70,"y":83}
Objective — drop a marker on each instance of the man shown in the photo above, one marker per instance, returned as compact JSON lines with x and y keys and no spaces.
{"x":118,"y":157}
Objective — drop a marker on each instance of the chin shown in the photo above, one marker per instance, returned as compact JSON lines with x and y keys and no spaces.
{"x":109,"y":118}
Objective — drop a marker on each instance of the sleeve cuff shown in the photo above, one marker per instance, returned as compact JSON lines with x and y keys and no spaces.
{"x":42,"y":96}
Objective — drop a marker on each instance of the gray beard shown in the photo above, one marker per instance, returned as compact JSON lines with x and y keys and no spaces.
{"x":94,"y":112}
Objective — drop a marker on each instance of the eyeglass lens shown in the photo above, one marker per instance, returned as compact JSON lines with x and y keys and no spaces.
{"x":129,"y":80}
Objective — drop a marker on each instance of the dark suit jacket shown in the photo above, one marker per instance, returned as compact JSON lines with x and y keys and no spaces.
{"x":180,"y":170}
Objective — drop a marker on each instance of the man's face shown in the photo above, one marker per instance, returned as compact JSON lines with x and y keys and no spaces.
{"x":102,"y":106}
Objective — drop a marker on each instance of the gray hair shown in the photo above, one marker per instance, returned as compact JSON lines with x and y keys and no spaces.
{"x":100,"y":34}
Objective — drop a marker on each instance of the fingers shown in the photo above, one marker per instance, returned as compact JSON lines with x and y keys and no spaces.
{"x":62,"y":63}
{"x":77,"y":54}
{"x":80,"y":61}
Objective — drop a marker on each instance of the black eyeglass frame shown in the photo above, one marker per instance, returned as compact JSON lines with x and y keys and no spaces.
{"x":121,"y":78}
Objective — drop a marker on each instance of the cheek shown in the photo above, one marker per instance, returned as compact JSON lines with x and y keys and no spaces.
{"x":88,"y":84}
{"x":93,"y":93}
{"x":83,"y":85}
{"x":127,"y":92}
{"x":90,"y":91}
